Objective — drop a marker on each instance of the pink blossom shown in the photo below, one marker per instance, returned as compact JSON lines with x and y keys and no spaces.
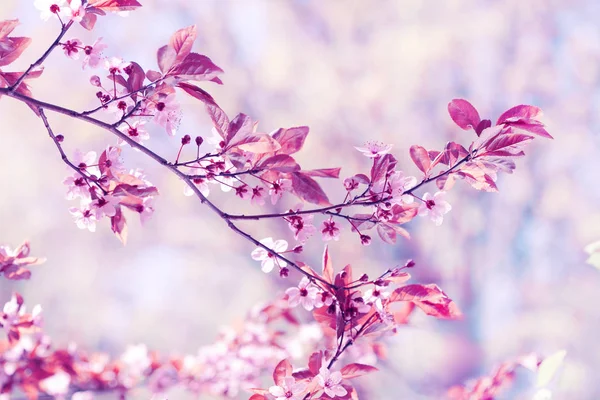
{"x":330,"y":230}
{"x":75,"y":11}
{"x":104,"y":206}
{"x":136,"y":361}
{"x":306,"y":294}
{"x":376,"y":295}
{"x":374,"y":149}
{"x":147,"y":209}
{"x":84,"y":161}
{"x":77,"y":187}
{"x":49,"y":8}
{"x":71,"y":48}
{"x":435,"y":207}
{"x":136,"y":132}
{"x":330,"y":382}
{"x":278,"y":188}
{"x":243,"y":191}
{"x":400,"y":183}
{"x":114,"y":161}
{"x":302,"y":226}
{"x":258,"y":196}
{"x":358,"y":303}
{"x":269,"y":260}
{"x":200,"y":183}
{"x":93,"y":53}
{"x":168,"y":113}
{"x":115,"y":65}
{"x":84,"y":218}
{"x":119,"y":107}
{"x":288,"y":390}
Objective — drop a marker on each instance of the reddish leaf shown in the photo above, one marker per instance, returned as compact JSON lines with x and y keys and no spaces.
{"x":195,"y":67}
{"x":308,"y":189}
{"x":89,"y":21}
{"x":283,"y":369}
{"x":327,"y":266}
{"x":118,"y":225}
{"x":280,"y":163}
{"x":402,"y":214}
{"x":166,"y":58}
{"x":258,"y":143}
{"x":11,"y":48}
{"x":7,"y":26}
{"x":519,"y":112}
{"x":428,"y":298}
{"x":153,"y":75}
{"x":303,"y":374}
{"x":507,"y":145}
{"x":217,"y":115}
{"x":135,"y":80}
{"x":291,"y":139}
{"x":386,"y":232}
{"x":382,"y":166}
{"x":463,"y":114}
{"x":324,"y":173}
{"x":315,"y":361}
{"x":530,"y":126}
{"x":115,"y":5}
{"x":355,"y":370}
{"x":241,"y":126}
{"x":257,"y":397}
{"x":182,"y":41}
{"x":421,"y":158}
{"x":445,"y":182}
{"x":15,"y":272}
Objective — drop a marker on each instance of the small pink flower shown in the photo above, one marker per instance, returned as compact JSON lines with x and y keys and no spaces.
{"x":114,"y":161}
{"x":84,"y":218}
{"x":289,"y":389}
{"x":167,"y":113}
{"x":435,"y":207}
{"x":330,"y":230}
{"x":200,"y":183}
{"x":49,"y":8}
{"x":93,"y":53}
{"x":398,"y":183}
{"x":77,"y":187}
{"x":105,"y":206}
{"x":243,"y":191}
{"x":278,"y":188}
{"x":146,"y":209}
{"x":57,"y":384}
{"x":258,"y":196}
{"x":83,"y":161}
{"x":72,"y":48}
{"x":269,"y":260}
{"x":374,"y":149}
{"x":330,"y":382}
{"x":75,"y":11}
{"x":115,"y":65}
{"x":306,"y":294}
{"x":136,"y":132}
{"x":358,"y":303}
{"x":376,"y":295}
{"x":302,"y":226}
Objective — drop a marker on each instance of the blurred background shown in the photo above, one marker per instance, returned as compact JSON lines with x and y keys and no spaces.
{"x":352,"y":70}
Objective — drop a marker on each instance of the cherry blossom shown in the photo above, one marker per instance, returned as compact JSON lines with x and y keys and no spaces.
{"x":267,"y":259}
{"x":373,"y":149}
{"x":71,"y":48}
{"x":435,"y":207}
{"x":93,"y":54}
{"x":104,"y":206}
{"x":147,"y":209}
{"x":278,"y":188}
{"x":77,"y":187}
{"x":330,"y":382}
{"x":115,"y":65}
{"x":168,"y":113}
{"x":376,"y":295}
{"x":136,"y":131}
{"x":56,"y":385}
{"x":302,"y":226}
{"x":358,"y":304}
{"x":201,"y":184}
{"x":85,"y":162}
{"x":49,"y":7}
{"x":288,"y":390}
{"x":330,"y":231}
{"x":306,"y":294}
{"x":258,"y":195}
{"x":75,"y":11}
{"x":84,"y":218}
{"x":114,"y":161}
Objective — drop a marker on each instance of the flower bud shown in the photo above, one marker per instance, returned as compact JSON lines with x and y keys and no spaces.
{"x":199,"y":140}
{"x":60,"y":138}
{"x":284,"y":272}
{"x":186,"y":140}
{"x":95,"y":80}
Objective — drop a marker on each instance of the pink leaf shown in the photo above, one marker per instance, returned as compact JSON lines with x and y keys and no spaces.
{"x":327,"y":266}
{"x":507,"y":145}
{"x":382,"y":166}
{"x":324,"y":173}
{"x":283,"y":369}
{"x":520,"y":112}
{"x":531,"y":126}
{"x":258,"y":143}
{"x":7,"y":26}
{"x":182,"y":42}
{"x":315,"y":361}
{"x":463,"y":114}
{"x":11,"y":48}
{"x":89,"y":21}
{"x":428,"y":298}
{"x":386,"y":232}
{"x":241,"y":126}
{"x":135,"y":80}
{"x":118,"y":225}
{"x":355,"y":370}
{"x":291,"y":139}
{"x":308,"y":189}
{"x":280,"y":163}
{"x":195,"y":67}
{"x":115,"y":5}
{"x":166,"y":58}
{"x":420,"y":157}
{"x":217,"y":115}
